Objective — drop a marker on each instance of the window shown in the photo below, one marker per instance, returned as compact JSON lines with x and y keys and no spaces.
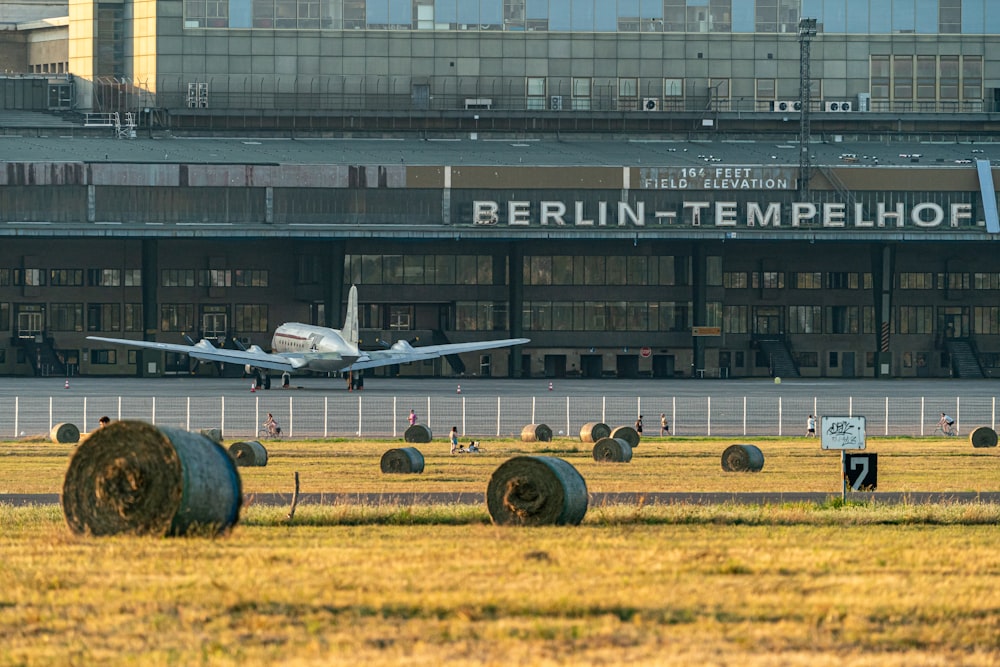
{"x":66,"y":317}
{"x":916,"y":280}
{"x":986,"y":280}
{"x":628,"y":92}
{"x":805,"y":320}
{"x":176,"y":317}
{"x":811,"y":280}
{"x":250,"y":278}
{"x":843,"y":319}
{"x":133,"y":317}
{"x":915,"y":320}
{"x":734,"y":319}
{"x":133,"y":277}
{"x":535,"y":91}
{"x":29,"y":277}
{"x":734,"y":280}
{"x":104,"y":277}
{"x":400,"y":318}
{"x":177,"y":278}
{"x":972,"y":77}
{"x":581,"y":93}
{"x":986,"y":320}
{"x":880,"y":77}
{"x":104,"y":317}
{"x":251,"y":317}
{"x":4,"y":317}
{"x":713,"y":270}
{"x":102,"y":357}
{"x":769,"y":280}
{"x":842,"y":280}
{"x":215,"y":278}
{"x":66,"y":277}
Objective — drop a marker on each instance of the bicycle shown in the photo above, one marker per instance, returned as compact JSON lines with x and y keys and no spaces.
{"x":948,"y":430}
{"x":267,"y":434}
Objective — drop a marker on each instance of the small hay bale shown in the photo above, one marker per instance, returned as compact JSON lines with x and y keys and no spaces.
{"x":612,"y":450}
{"x":982,"y":437}
{"x":65,"y":433}
{"x":131,"y":477}
{"x":250,"y":453}
{"x":536,"y":433}
{"x":628,"y":434}
{"x":213,"y":434}
{"x":418,"y":433}
{"x":594,"y":431}
{"x":402,"y":460}
{"x":742,"y":458}
{"x":536,"y":491}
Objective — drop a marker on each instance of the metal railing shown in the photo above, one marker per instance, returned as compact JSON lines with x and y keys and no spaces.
{"x":379,"y":416}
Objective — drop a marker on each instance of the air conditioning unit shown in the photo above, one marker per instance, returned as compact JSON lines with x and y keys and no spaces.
{"x":845,"y":105}
{"x":650,"y":104}
{"x":555,"y":103}
{"x":864,"y":102}
{"x":783,"y":106}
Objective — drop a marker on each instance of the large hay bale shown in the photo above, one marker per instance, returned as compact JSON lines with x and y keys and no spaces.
{"x":402,"y":460}
{"x":132,"y":477}
{"x":536,"y":433}
{"x":418,"y":433}
{"x":594,"y":431}
{"x":250,"y":453}
{"x":65,"y":433}
{"x":982,"y":437}
{"x":742,"y":458}
{"x":535,"y":491}
{"x":612,"y":450}
{"x":213,"y":434}
{"x":628,"y":434}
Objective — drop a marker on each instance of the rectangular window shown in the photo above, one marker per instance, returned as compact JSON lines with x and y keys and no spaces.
{"x":308,"y":270}
{"x":986,"y":280}
{"x":133,"y":277}
{"x":251,"y":318}
{"x":66,"y":277}
{"x":250,"y":278}
{"x":805,"y":319}
{"x":843,"y":319}
{"x":176,"y":317}
{"x":735,"y":280}
{"x":215,"y":278}
{"x":768,"y":280}
{"x":986,"y":320}
{"x":842,"y":280}
{"x":66,"y":317}
{"x":581,"y":93}
{"x":103,"y":357}
{"x":392,"y":269}
{"x":810,"y":280}
{"x":133,"y":317}
{"x":908,"y":280}
{"x":105,"y":277}
{"x":104,"y":317}
{"x":535,"y":91}
{"x":29,"y":277}
{"x":915,"y":320}
{"x":713,"y":270}
{"x":972,"y":78}
{"x":880,"y":77}
{"x":177,"y":278}
{"x":735,"y":319}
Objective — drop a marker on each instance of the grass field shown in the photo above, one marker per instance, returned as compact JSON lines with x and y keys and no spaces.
{"x":789,"y":584}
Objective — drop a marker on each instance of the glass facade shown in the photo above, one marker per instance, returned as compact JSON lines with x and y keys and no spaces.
{"x":861,"y":17}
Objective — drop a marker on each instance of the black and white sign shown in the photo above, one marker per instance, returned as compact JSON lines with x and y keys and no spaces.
{"x":862,"y":472}
{"x":842,"y":432}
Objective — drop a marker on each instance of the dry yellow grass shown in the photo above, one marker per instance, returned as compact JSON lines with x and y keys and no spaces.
{"x":633,"y":585}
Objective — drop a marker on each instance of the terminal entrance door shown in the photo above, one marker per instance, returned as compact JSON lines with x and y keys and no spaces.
{"x":29,"y":322}
{"x":954,"y":321}
{"x":767,"y":321}
{"x":214,"y":325}
{"x":591,"y":365}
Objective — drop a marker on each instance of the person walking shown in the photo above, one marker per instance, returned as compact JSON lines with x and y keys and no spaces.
{"x":638,"y":425}
{"x":454,"y":439}
{"x":811,"y":427}
{"x":664,"y":424}
{"x":413,"y":418}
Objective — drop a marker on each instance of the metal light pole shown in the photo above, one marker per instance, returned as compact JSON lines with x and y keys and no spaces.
{"x":807,"y":30}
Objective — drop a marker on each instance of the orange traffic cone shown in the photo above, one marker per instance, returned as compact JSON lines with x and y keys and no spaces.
{"x":253,"y":387}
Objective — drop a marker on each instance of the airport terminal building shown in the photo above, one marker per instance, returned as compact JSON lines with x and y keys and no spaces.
{"x":621,"y":182}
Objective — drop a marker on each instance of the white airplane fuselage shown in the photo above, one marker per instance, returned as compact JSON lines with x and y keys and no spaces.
{"x":323,"y":349}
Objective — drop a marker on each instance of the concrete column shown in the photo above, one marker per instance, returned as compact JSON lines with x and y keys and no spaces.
{"x":150,"y":309}
{"x":515,"y":304}
{"x":699,"y":304}
{"x":883,"y":276}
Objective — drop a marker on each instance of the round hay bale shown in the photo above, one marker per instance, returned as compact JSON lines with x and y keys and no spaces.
{"x":402,"y":460}
{"x":628,"y":434}
{"x":134,"y":478}
{"x":418,"y":433}
{"x":536,"y":433}
{"x":536,"y":491}
{"x":742,"y":458}
{"x":64,"y":433}
{"x":612,"y":450}
{"x":983,"y":436}
{"x":250,"y":453}
{"x":213,"y":434}
{"x":594,"y":431}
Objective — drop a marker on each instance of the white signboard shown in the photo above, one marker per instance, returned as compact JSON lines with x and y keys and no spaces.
{"x":842,"y":432}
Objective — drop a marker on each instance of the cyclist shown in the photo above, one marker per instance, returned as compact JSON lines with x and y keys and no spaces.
{"x":947,"y":424}
{"x":272,"y":427}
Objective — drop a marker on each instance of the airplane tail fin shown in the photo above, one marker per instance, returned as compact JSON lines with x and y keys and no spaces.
{"x":350,"y":332}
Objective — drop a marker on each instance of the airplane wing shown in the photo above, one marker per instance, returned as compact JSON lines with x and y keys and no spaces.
{"x":203,"y":349}
{"x":403,"y":353}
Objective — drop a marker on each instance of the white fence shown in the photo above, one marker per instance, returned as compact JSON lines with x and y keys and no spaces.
{"x":375,"y":416}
